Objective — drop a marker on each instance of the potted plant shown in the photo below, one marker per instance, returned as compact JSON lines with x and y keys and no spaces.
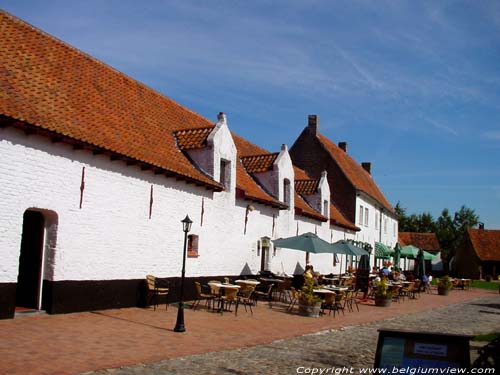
{"x":309,"y":303}
{"x":444,"y":285}
{"x":383,"y":295}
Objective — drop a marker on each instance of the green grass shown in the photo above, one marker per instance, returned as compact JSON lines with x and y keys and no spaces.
{"x":492,"y":285}
{"x":486,"y":337}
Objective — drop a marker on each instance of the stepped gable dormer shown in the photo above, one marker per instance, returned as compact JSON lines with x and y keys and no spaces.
{"x":213,"y":151}
{"x":273,"y":171}
{"x":263,"y":168}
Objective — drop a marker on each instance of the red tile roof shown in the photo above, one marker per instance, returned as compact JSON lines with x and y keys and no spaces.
{"x":354,"y":172}
{"x":247,"y":188}
{"x":301,"y":174}
{"x":259,"y":163}
{"x":338,"y":219}
{"x":425,"y":241}
{"x":253,"y":153}
{"x":306,"y":187}
{"x":55,"y":87}
{"x":486,"y":243}
{"x":192,"y":138}
{"x":302,"y":208}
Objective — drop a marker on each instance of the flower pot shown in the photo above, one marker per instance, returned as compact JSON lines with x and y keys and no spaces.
{"x":443,"y":291}
{"x":383,"y":301}
{"x":310,"y":310}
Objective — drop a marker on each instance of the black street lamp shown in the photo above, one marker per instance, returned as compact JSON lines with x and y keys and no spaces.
{"x":179,"y":325}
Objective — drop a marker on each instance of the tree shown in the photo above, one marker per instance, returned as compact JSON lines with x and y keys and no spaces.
{"x":445,"y":233}
{"x":449,"y":231}
{"x":464,"y":219}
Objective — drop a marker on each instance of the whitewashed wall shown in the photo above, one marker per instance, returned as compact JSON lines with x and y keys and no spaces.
{"x":112,"y":236}
{"x":380,"y":227}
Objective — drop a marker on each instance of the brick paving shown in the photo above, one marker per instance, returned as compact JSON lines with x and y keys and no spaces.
{"x":82,"y":342}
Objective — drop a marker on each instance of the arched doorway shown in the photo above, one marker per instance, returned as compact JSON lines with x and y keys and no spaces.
{"x":38,"y":236}
{"x":30,"y":260}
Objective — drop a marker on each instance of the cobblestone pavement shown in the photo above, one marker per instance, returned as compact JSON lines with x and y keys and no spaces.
{"x":351,"y":347}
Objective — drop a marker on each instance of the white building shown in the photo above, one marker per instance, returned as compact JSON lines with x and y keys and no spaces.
{"x":98,"y":171}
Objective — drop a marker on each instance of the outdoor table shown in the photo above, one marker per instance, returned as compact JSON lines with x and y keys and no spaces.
{"x":268,"y":280}
{"x":221,"y":287}
{"x":337,"y":288}
{"x":323,"y":291}
{"x":331,"y":278}
{"x":248,"y":282}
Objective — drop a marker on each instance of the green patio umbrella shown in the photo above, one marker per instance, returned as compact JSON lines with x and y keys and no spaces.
{"x":345,"y":247}
{"x":429,"y":256}
{"x":308,"y":242}
{"x":383,"y":251}
{"x":397,"y":256}
{"x":409,"y":252}
{"x":419,"y":269}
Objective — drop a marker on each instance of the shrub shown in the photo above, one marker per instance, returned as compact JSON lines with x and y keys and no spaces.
{"x":445,"y":282}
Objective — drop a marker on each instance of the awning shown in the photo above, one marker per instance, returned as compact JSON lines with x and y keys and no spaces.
{"x":383,"y":251}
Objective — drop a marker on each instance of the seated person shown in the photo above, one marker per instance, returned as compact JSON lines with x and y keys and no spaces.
{"x":386,"y":271}
{"x":401,"y":276}
{"x":308,"y":273}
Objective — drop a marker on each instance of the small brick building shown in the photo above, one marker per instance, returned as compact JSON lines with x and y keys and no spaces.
{"x":479,"y":254}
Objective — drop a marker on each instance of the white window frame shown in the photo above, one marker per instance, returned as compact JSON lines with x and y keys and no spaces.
{"x":360,"y":214}
{"x":367,"y":216}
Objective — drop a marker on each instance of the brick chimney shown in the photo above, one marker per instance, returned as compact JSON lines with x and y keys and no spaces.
{"x":367,"y":166}
{"x":343,"y":146}
{"x":313,"y":124}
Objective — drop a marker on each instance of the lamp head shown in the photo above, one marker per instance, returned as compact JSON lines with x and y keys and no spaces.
{"x":186,"y":224}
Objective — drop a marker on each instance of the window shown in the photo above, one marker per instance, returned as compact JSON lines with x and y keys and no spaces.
{"x":192,"y":246}
{"x":376,"y":220}
{"x":360,"y":215}
{"x":394,"y":228}
{"x":325,"y":208}
{"x":366,"y":216}
{"x":286,"y":191}
{"x":225,"y":174}
{"x":385,"y":225}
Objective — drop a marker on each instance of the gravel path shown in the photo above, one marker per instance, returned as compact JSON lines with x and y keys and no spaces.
{"x":352,"y":347}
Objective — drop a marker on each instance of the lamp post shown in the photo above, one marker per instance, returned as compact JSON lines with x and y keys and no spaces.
{"x":179,"y":325}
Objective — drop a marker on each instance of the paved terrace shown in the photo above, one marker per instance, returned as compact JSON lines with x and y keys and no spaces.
{"x":81,"y":342}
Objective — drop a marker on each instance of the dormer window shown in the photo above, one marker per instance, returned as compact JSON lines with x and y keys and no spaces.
{"x":286,"y":191}
{"x":225,"y":174}
{"x":325,"y":208}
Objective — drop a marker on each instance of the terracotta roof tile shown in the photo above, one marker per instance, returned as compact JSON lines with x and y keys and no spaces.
{"x":338,"y":219}
{"x":306,"y":187}
{"x":248,"y":189}
{"x":192,"y":138}
{"x":259,"y":163}
{"x":425,"y":241}
{"x":486,"y":243}
{"x":301,"y":174}
{"x":359,"y":178}
{"x":53,"y":86}
{"x":304,"y":209}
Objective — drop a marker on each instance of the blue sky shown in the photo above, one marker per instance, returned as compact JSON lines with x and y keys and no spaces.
{"x":412,"y":86}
